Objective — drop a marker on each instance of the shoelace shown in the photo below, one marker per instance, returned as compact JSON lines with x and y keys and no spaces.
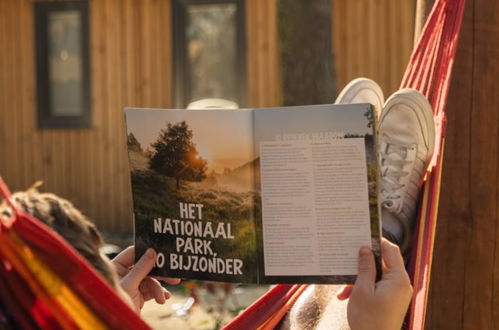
{"x":393,"y":160}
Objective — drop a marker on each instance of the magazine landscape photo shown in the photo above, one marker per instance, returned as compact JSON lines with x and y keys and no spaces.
{"x":275,"y":195}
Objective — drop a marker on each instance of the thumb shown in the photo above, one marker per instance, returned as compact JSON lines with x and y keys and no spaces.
{"x":367,"y":271}
{"x":139,"y":271}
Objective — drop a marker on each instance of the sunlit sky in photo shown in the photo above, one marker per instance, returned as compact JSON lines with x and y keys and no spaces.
{"x":225,"y":138}
{"x":222,"y":137}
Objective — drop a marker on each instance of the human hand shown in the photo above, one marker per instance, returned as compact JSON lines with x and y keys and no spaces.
{"x":380,"y":305}
{"x":134,"y":280}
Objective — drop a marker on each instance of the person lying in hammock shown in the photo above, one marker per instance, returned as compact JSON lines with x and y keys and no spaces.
{"x":384,"y":309}
{"x":405,"y":150}
{"x":128,"y":278}
{"x":406,"y":141}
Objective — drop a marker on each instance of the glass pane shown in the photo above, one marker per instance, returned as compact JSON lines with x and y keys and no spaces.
{"x":211,"y":51}
{"x":65,"y":63}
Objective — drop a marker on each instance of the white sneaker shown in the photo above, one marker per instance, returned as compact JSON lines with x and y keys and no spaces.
{"x":362,"y":90}
{"x":407,"y":140}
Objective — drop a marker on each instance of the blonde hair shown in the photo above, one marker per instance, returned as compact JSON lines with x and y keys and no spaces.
{"x":65,"y":219}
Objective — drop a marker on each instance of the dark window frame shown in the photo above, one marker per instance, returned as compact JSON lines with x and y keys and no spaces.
{"x":44,"y":117}
{"x":181,"y":86}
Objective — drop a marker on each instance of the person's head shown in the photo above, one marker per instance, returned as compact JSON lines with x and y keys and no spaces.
{"x":65,"y":219}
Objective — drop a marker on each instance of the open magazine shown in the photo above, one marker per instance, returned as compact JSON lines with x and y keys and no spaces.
{"x":275,"y":195}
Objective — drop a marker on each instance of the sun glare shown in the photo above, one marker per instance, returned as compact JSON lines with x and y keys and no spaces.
{"x":203,"y":153}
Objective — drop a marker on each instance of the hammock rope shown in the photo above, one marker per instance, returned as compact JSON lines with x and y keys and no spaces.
{"x":430,"y":71}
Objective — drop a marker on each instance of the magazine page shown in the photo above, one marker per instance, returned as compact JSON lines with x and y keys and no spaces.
{"x":193,"y":191}
{"x":319,"y":194}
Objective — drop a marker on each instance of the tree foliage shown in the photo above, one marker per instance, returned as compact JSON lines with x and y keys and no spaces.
{"x":133,"y":143}
{"x":369,"y":114}
{"x":175,"y":155}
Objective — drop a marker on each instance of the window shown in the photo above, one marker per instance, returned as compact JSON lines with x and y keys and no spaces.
{"x":62,"y":63}
{"x":209,"y":50}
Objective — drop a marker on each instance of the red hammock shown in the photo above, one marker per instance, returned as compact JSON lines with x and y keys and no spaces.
{"x":46,"y":284}
{"x":429,"y":71}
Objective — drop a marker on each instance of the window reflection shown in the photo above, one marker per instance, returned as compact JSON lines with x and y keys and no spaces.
{"x":212,"y":51}
{"x":65,"y":63}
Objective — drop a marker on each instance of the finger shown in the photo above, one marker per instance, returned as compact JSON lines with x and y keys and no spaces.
{"x":392,"y":256}
{"x":151,"y":290}
{"x":147,"y":296}
{"x":155,"y":289}
{"x":367,"y":271}
{"x":139,"y":271}
{"x":345,"y":292}
{"x":166,"y":294}
{"x":125,"y":258}
{"x":145,"y":291}
{"x":169,"y":280}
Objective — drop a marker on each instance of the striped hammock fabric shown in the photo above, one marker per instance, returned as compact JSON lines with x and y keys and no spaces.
{"x":46,"y":284}
{"x":429,"y":71}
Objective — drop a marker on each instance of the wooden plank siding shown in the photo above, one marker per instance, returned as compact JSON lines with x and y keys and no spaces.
{"x":130,"y":44}
{"x":262,"y":53}
{"x":374,"y":39}
{"x":131,"y":65}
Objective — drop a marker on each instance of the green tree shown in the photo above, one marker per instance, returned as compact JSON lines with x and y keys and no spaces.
{"x":175,"y":155}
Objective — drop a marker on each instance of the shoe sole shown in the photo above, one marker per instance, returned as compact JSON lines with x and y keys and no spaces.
{"x":351,"y":91}
{"x":423,"y":110}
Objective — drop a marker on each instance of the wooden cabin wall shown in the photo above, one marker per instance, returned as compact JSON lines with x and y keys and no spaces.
{"x":262,"y":54}
{"x":130,"y":66}
{"x":130,"y":49}
{"x":374,"y":39}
